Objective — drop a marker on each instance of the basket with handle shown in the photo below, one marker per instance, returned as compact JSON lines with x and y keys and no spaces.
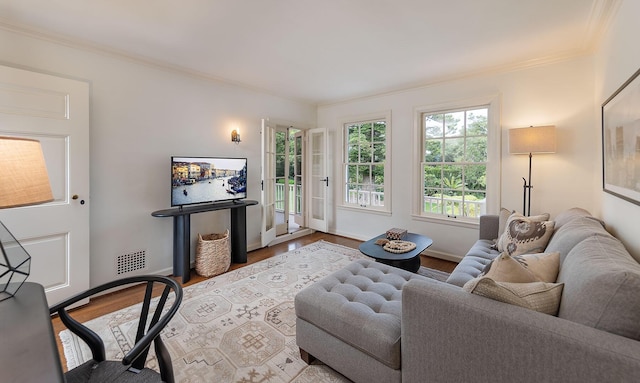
{"x":213,"y":254}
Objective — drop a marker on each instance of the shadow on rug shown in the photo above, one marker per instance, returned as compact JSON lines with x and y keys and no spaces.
{"x":236,"y":327}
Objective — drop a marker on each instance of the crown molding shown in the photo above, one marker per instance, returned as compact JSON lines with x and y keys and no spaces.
{"x":81,"y":44}
{"x":600,"y":19}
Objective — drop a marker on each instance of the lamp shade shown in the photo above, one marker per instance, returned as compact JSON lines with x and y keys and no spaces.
{"x":23,"y":173}
{"x":539,"y":139}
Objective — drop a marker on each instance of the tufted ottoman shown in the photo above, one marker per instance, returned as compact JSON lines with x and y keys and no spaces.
{"x":350,"y":321}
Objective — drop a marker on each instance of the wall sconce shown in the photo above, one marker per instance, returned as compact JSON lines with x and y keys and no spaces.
{"x":541,"y":139}
{"x":235,"y":136}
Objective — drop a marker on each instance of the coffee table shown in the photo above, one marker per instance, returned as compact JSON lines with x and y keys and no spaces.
{"x":408,"y":261}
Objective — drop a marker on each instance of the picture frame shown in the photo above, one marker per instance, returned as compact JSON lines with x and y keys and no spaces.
{"x":621,"y":141}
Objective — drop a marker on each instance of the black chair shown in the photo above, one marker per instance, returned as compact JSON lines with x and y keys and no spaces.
{"x":131,"y":368}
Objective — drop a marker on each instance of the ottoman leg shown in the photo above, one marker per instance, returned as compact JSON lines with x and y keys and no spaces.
{"x":308,"y":358}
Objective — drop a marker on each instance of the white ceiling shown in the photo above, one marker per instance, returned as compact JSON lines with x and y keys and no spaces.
{"x":323,"y":51}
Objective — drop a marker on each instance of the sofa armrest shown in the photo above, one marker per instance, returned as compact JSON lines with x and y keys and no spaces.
{"x":449,"y":335}
{"x":489,"y":224}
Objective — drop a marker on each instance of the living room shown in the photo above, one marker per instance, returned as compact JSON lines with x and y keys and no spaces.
{"x":143,"y":112}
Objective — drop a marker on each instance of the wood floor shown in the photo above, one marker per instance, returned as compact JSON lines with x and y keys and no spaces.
{"x":118,"y":300}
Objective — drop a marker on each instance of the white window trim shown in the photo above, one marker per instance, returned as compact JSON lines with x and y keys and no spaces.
{"x":493,"y":157}
{"x":386,"y":116}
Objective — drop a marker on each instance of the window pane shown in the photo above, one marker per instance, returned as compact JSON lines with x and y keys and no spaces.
{"x":432,"y":176}
{"x":378,"y":175}
{"x":476,"y":149}
{"x":364,"y":172}
{"x":452,"y":179}
{"x":477,"y":122}
{"x":379,"y":131}
{"x":454,"y":150}
{"x":454,"y":123}
{"x":352,"y":174}
{"x":280,"y":165}
{"x":365,"y":152}
{"x":433,"y":151}
{"x":432,"y":201}
{"x":379,"y":152}
{"x":433,"y":125}
{"x":475,"y":177}
{"x":366,"y":132}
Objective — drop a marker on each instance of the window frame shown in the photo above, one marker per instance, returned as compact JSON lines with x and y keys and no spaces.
{"x":362,"y":119}
{"x":492,"y":103}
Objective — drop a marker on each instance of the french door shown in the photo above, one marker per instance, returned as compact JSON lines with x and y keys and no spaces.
{"x":268,"y":135}
{"x":318,"y":179}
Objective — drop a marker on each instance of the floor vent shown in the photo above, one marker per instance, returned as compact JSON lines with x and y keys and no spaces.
{"x":130,"y":262}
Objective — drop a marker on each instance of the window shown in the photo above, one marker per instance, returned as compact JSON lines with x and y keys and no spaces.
{"x":454,"y":163}
{"x":365,"y":164}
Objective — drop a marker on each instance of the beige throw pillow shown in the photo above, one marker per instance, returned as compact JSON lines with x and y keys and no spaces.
{"x":506,"y":269}
{"x":542,"y":267}
{"x":539,"y":296}
{"x":525,"y":235}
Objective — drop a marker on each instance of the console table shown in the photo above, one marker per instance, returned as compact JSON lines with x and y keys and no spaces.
{"x":28,"y":352}
{"x":182,"y":232}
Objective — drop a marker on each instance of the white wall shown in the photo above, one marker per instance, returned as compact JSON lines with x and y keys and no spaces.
{"x":559,"y":94}
{"x":140,"y":116}
{"x":618,"y":59}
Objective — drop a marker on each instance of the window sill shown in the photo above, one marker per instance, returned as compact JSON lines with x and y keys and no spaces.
{"x":364,"y":210}
{"x":457,"y":222}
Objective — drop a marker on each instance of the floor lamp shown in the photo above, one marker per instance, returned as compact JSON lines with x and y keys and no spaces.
{"x":540,"y":139}
{"x":23,"y":181}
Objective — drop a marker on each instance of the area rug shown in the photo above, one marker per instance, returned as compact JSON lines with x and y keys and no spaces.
{"x":236,"y":327}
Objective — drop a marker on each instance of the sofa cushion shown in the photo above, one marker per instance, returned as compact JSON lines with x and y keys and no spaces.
{"x":542,"y":267}
{"x":569,"y":215}
{"x":602,"y":286}
{"x":360,"y":300}
{"x":539,"y":296}
{"x":573,"y":232}
{"x":472,"y":265}
{"x":525,"y":235}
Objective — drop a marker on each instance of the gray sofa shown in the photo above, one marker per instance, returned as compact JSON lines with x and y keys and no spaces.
{"x":375,"y":323}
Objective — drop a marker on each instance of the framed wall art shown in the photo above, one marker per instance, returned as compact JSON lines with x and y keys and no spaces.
{"x":621,"y":141}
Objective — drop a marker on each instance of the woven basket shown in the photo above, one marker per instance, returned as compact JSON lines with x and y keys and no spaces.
{"x":213,"y":254}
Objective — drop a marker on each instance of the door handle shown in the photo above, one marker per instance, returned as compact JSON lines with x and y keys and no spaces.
{"x":326,"y":180}
{"x":75,"y":196}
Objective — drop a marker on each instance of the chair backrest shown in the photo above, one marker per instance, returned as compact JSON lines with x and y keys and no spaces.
{"x":153,"y":318}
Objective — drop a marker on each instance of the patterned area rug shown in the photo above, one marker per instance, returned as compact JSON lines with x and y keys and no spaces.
{"x":236,"y":327}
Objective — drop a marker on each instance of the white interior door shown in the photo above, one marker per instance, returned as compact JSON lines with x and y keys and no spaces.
{"x":268,"y":230}
{"x":54,"y":111}
{"x":318,"y":179}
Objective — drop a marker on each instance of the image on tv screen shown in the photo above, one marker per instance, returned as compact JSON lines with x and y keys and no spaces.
{"x":207,"y":179}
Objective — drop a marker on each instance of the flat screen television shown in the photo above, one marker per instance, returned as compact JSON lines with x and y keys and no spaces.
{"x":199,"y":180}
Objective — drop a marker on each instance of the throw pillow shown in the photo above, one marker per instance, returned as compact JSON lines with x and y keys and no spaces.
{"x":539,"y":296}
{"x":503,"y":217}
{"x":506,"y":269}
{"x":525,"y":235}
{"x":541,"y":267}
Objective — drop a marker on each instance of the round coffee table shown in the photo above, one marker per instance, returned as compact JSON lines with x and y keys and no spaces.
{"x":408,"y":261}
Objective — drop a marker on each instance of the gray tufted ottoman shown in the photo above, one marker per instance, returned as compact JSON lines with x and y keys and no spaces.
{"x":350,"y":321}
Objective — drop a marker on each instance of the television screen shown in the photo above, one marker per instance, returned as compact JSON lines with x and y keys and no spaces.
{"x":207,"y":179}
